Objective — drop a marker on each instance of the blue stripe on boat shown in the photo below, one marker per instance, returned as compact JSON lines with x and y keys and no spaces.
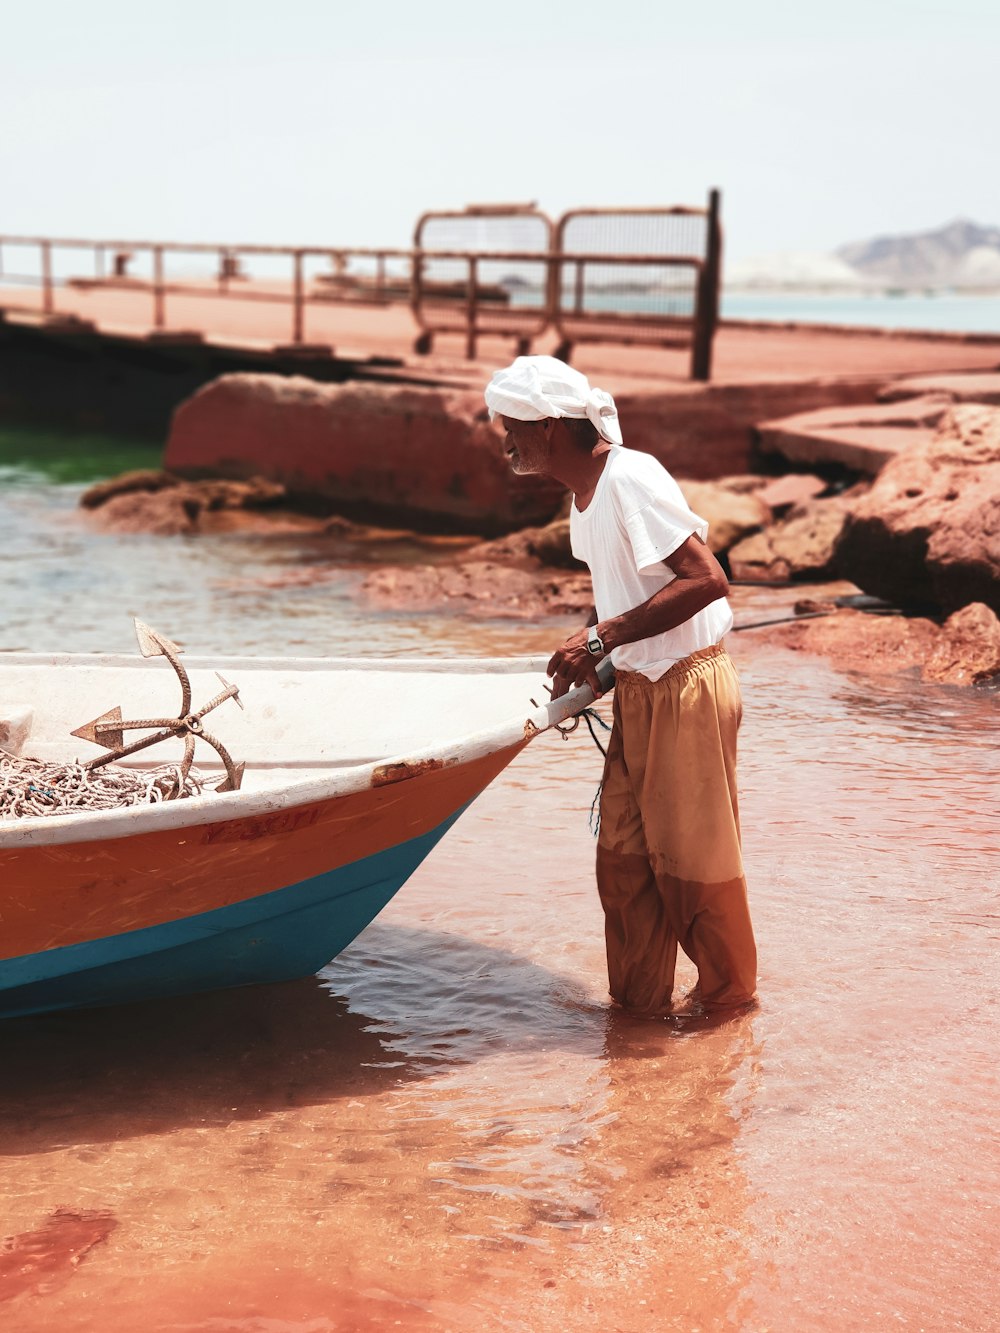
{"x":277,"y":936}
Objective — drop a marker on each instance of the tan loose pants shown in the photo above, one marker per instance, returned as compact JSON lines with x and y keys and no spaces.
{"x":669,"y":866}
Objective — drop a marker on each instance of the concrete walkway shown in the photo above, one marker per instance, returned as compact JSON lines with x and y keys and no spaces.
{"x":744,"y":354}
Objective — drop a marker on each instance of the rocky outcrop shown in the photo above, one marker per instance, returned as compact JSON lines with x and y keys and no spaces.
{"x":426,"y":458}
{"x":974,"y":387}
{"x":801,"y":546}
{"x":531,"y":547}
{"x":965,"y":650}
{"x":705,"y":431}
{"x":482,"y":588}
{"x":860,"y":439}
{"x":928,"y":532}
{"x":731,"y":507}
{"x":166,"y":505}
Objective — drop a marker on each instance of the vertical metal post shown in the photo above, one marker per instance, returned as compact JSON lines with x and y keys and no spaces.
{"x":47,"y":303}
{"x":297,"y":313}
{"x":707,"y":307}
{"x":158,"y":293}
{"x":99,"y":262}
{"x":416,"y":283}
{"x":470,"y":310}
{"x":222,"y":275}
{"x":578,"y":294}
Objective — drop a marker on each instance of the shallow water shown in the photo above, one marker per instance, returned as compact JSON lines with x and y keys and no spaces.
{"x":448,"y":1129}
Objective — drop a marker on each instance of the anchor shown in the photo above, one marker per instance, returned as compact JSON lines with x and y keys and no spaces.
{"x":108,"y":729}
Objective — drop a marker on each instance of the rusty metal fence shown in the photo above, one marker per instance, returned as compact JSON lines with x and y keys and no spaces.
{"x":482,"y":271}
{"x":627,"y":276}
{"x":639,"y":276}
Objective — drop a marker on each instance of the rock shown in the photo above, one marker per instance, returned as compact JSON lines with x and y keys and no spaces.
{"x":742,"y":483}
{"x":548,"y":545}
{"x":163,"y":504}
{"x":166,"y":513}
{"x":480,"y":588}
{"x":730,"y":506}
{"x":254,"y":493}
{"x":730,"y":514}
{"x":704,"y":431}
{"x":795,"y":488}
{"x":801,"y":546}
{"x":423,"y":457}
{"x":861,"y":438}
{"x":965,"y":650}
{"x":142,"y":479}
{"x":928,"y":532}
{"x":975,"y":387}
{"x":968,"y":651}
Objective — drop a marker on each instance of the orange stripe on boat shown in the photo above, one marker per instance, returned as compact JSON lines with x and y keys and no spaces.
{"x":70,"y":893}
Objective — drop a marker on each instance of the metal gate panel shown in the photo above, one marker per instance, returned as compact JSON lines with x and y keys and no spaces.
{"x":482,"y":271}
{"x":645,"y":275}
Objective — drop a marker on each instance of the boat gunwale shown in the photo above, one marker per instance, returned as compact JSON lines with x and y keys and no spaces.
{"x":132,"y":821}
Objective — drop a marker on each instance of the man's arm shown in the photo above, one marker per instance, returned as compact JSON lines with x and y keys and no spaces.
{"x":699,"y":581}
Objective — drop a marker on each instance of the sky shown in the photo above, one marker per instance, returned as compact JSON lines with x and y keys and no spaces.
{"x":333,"y":124}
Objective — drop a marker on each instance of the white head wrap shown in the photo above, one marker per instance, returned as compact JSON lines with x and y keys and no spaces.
{"x":536,"y":387}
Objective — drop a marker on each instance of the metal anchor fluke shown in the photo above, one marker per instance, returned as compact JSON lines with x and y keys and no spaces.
{"x":108,"y":729}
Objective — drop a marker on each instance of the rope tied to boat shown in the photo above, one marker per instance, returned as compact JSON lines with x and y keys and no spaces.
{"x":590,"y":716}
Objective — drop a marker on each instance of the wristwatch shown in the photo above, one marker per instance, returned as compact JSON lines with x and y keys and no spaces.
{"x":595,"y":646}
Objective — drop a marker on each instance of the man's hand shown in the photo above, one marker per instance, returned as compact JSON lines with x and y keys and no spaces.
{"x":572,"y":665}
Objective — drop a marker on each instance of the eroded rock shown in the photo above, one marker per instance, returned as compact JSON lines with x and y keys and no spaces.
{"x":965,"y":650}
{"x":480,"y":588}
{"x":801,"y":546}
{"x":928,"y":532}
{"x":424,"y":457}
{"x":730,"y":513}
{"x":146,"y":480}
{"x":862,"y":438}
{"x":163,"y":504}
{"x":969,"y":387}
{"x":164,"y":513}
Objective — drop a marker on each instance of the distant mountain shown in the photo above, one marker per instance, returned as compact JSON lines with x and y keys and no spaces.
{"x":962,"y":254}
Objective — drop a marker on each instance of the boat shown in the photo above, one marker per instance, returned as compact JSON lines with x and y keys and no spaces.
{"x":352,"y":771}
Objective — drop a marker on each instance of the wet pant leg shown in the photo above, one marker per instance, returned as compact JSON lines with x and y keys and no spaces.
{"x":670,"y":799}
{"x":638,"y":930}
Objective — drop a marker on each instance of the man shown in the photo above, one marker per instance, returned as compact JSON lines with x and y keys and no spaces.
{"x":669,"y":866}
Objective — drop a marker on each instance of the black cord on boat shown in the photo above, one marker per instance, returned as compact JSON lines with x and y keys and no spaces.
{"x":590,"y":716}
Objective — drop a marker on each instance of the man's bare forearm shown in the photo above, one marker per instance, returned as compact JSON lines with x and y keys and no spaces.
{"x":671,"y":606}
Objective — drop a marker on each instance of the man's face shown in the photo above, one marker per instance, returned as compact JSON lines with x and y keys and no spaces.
{"x":528,"y":444}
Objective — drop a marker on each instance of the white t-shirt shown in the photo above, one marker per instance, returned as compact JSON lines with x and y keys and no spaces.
{"x":635,"y":520}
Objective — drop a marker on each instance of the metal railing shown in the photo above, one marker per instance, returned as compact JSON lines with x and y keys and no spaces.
{"x":625,"y":276}
{"x":628,"y":276}
{"x":372,"y":285}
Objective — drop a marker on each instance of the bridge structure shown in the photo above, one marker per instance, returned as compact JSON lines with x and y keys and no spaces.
{"x":632,"y":277}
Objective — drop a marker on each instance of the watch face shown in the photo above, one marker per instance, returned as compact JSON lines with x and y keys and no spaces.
{"x":594,"y":645}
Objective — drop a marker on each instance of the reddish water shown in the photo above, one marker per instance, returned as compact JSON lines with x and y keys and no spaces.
{"x":448,"y":1129}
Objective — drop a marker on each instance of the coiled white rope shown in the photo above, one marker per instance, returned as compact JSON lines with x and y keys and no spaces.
{"x":30,"y":788}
